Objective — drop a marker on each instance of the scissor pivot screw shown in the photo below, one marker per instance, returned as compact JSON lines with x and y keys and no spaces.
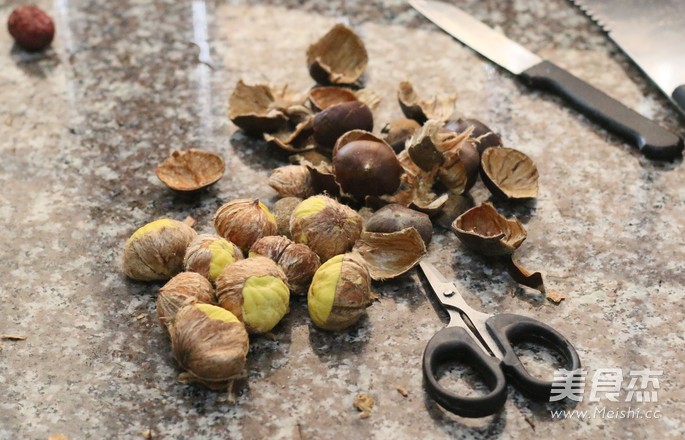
{"x":448,"y":293}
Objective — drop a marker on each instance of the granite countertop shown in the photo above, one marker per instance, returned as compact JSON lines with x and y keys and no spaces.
{"x":83,"y":126}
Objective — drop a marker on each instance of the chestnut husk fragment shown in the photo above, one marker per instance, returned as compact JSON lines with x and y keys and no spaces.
{"x":395,"y":217}
{"x":390,"y":254}
{"x":338,"y":119}
{"x":451,"y":156}
{"x":398,"y":131}
{"x":256,"y":109}
{"x":321,"y":98}
{"x":484,"y":136}
{"x":339,"y":57}
{"x":456,"y":205}
{"x":323,"y":180}
{"x":293,"y":138}
{"x":487,"y":232}
{"x":365,"y":165}
{"x":190,"y":170}
{"x":509,"y":174}
{"x":310,"y":158}
{"x":439,"y":107}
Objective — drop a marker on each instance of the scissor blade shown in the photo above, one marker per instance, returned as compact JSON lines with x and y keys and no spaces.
{"x":436,"y":279}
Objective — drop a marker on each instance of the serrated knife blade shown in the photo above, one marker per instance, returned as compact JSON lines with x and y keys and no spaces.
{"x":653,"y":141}
{"x":651,"y":34}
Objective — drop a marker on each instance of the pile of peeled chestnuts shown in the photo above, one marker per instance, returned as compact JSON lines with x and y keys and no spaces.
{"x":353,"y":207}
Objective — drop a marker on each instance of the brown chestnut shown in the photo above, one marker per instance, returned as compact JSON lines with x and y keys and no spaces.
{"x":338,"y":119}
{"x":485,"y":136}
{"x":394,"y":217}
{"x":366,"y":167}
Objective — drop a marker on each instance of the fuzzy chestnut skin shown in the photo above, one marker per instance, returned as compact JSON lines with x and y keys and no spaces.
{"x":244,"y":221}
{"x":156,"y":250}
{"x":338,"y":119}
{"x":31,"y":28}
{"x":292,"y":181}
{"x":231,"y":283}
{"x":328,"y":227}
{"x":351,"y":296}
{"x":394,"y":217}
{"x":367,"y":168}
{"x":211,"y":351}
{"x":179,"y":291}
{"x":206,"y":247}
{"x":297,"y":261}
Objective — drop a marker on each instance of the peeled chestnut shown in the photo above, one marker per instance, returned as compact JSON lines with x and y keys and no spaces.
{"x":338,"y":119}
{"x":485,"y":136}
{"x":366,"y":167}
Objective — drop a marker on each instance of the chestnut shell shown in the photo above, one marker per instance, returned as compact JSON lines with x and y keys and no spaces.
{"x":191,"y":170}
{"x":485,"y":136}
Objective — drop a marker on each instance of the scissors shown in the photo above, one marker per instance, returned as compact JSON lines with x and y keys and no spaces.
{"x":485,"y":343}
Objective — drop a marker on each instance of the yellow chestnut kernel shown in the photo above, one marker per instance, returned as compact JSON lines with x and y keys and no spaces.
{"x":214,"y":312}
{"x":340,"y":292}
{"x":209,"y":254}
{"x":320,"y":299}
{"x":265,"y":303}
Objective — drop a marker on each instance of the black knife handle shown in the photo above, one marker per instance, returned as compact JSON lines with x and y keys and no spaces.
{"x":678,"y":96}
{"x":653,"y":141}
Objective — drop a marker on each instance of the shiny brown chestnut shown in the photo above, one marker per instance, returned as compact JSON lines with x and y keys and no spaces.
{"x":366,"y":167}
{"x":338,"y":119}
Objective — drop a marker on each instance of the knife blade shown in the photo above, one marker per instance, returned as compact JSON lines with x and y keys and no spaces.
{"x":654,"y":141}
{"x":650,"y":34}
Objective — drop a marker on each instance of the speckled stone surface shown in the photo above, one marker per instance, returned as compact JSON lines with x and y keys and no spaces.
{"x":83,"y":126}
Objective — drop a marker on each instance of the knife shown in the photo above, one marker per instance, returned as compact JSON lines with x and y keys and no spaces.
{"x":653,"y":141}
{"x":649,"y":33}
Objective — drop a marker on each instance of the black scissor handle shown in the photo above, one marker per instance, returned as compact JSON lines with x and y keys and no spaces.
{"x":454,"y":343}
{"x":509,"y":329}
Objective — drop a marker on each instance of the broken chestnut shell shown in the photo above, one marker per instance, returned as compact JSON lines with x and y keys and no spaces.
{"x":323,"y":97}
{"x":339,"y":57}
{"x":439,"y":107}
{"x":256,"y":109}
{"x":484,"y":136}
{"x":398,"y":131}
{"x":365,"y":165}
{"x":509,"y":174}
{"x":394,"y":217}
{"x":488,"y":232}
{"x":338,"y":119}
{"x":390,"y":254}
{"x":190,"y":170}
